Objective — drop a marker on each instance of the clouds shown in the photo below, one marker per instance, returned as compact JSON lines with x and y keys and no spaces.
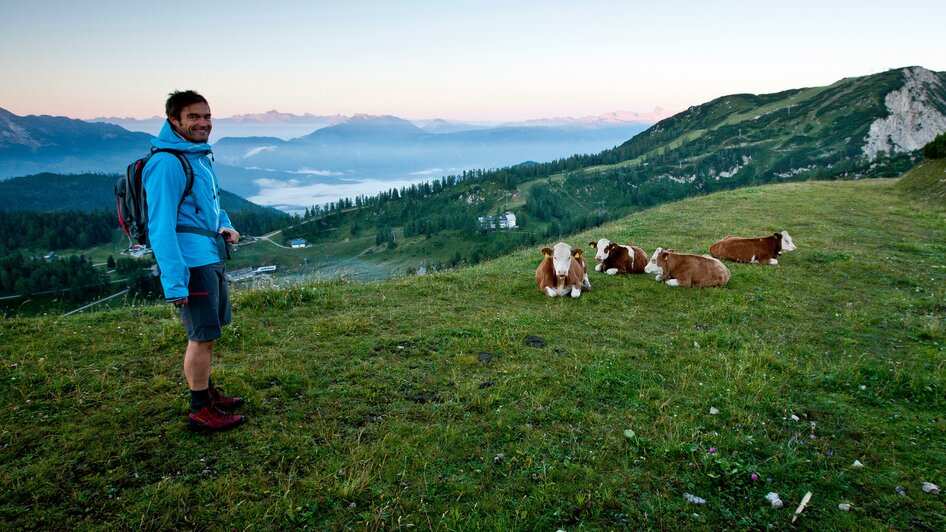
{"x":295,"y":196}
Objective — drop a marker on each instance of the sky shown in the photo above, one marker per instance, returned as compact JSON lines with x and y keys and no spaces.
{"x":459,"y":60}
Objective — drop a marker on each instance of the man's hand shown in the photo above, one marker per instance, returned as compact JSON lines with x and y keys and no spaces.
{"x":181,"y":302}
{"x":230,"y":235}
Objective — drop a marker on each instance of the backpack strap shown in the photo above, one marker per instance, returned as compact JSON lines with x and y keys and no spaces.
{"x":208,"y":233}
{"x":188,"y":174}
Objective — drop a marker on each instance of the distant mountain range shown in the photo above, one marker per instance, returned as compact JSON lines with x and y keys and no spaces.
{"x":49,"y":192}
{"x":357,"y":148}
{"x":845,"y":128}
{"x":287,"y":126}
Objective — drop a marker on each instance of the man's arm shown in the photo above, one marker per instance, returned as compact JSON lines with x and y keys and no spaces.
{"x":164,"y":182}
{"x":226,"y":228}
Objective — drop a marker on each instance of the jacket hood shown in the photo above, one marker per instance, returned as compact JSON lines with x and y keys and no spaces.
{"x":169,"y":139}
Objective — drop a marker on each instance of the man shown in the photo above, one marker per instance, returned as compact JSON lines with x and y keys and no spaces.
{"x":185,"y":231}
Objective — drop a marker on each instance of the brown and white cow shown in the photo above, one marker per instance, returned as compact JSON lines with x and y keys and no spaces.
{"x":614,"y":258}
{"x":762,"y":250}
{"x":686,"y":270}
{"x":562,"y":271}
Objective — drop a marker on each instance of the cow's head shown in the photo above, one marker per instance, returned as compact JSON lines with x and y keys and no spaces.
{"x":787,"y":244}
{"x":561,"y":258}
{"x":652,"y":266}
{"x":658,"y":262}
{"x":601,"y":248}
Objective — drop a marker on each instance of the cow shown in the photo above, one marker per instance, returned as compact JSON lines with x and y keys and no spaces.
{"x":562,"y":271}
{"x":762,"y":250}
{"x":614,"y":258}
{"x":686,"y":270}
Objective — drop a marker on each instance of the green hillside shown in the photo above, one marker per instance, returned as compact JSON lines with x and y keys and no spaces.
{"x":733,"y":141}
{"x":926,"y":181}
{"x":419,"y":403}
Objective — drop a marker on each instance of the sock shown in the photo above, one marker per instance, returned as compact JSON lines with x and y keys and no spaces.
{"x":199,"y":399}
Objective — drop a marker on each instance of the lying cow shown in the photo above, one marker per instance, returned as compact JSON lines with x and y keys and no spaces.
{"x":614,"y":258}
{"x":686,"y":270}
{"x":762,"y":250}
{"x":562,"y":271}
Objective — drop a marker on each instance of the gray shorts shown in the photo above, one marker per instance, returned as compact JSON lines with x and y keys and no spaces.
{"x":208,"y":303}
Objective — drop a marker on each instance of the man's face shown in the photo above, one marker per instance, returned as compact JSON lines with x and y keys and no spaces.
{"x":194,"y":123}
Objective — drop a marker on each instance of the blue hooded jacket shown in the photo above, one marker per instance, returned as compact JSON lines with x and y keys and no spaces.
{"x":164,"y":181}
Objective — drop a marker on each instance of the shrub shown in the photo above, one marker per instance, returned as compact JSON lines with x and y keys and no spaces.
{"x":936,"y":149}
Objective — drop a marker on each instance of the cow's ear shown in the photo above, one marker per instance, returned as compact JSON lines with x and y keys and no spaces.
{"x":670,"y":250}
{"x":576,"y":252}
{"x":665,"y":254}
{"x":778,"y":236}
{"x":593,"y":244}
{"x":547,"y":252}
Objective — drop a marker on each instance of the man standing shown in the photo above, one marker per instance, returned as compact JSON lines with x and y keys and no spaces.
{"x":186,"y":230}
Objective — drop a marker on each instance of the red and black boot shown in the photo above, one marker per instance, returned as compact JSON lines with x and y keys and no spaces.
{"x":224,"y":402}
{"x":212,"y":418}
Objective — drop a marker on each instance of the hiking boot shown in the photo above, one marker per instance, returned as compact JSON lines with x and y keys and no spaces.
{"x":223,"y":402}
{"x":212,"y":418}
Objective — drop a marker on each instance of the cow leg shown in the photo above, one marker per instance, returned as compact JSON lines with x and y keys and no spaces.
{"x":773,"y":262}
{"x":576,"y":291}
{"x":672,"y":282}
{"x":659,"y":277}
{"x":612,"y":271}
{"x":598,"y":267}
{"x":550,"y":291}
{"x":585,"y":283}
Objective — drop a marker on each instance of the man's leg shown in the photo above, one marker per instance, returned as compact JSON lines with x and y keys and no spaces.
{"x":197,"y":359}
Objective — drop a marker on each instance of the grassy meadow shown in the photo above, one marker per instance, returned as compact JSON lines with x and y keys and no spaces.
{"x":422,"y":402}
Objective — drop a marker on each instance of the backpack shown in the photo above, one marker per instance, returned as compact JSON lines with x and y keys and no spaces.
{"x":130,"y":195}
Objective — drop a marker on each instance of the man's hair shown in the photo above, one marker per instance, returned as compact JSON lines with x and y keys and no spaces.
{"x":178,"y":100}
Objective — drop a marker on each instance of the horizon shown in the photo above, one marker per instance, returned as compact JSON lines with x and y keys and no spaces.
{"x":487,"y":61}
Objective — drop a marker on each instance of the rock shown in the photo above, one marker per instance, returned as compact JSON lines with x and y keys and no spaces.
{"x":485,"y":358}
{"x":900,"y":491}
{"x":694,"y":499}
{"x":713,"y":411}
{"x":629,"y":434}
{"x":929,"y":487}
{"x":774,"y":500}
{"x":844,"y":507}
{"x":857,"y":463}
{"x":498,"y":459}
{"x":535,"y":341}
{"x":795,"y":418}
{"x":801,"y":506}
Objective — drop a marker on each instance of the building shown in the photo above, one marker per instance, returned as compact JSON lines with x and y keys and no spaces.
{"x":298,"y":243}
{"x":138,"y":250}
{"x":506,"y":220}
{"x":241,"y":274}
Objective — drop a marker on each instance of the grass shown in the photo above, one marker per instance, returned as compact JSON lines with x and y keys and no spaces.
{"x":926,"y":180}
{"x":417,"y":402}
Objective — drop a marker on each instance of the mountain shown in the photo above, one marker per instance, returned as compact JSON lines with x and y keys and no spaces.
{"x":271,"y":123}
{"x":34,"y":144}
{"x":445,"y":126}
{"x":390,"y":148}
{"x":275,"y":117}
{"x":617,"y":118}
{"x":363,"y":148}
{"x":851,"y":128}
{"x":82,"y":192}
{"x":871,"y":126}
